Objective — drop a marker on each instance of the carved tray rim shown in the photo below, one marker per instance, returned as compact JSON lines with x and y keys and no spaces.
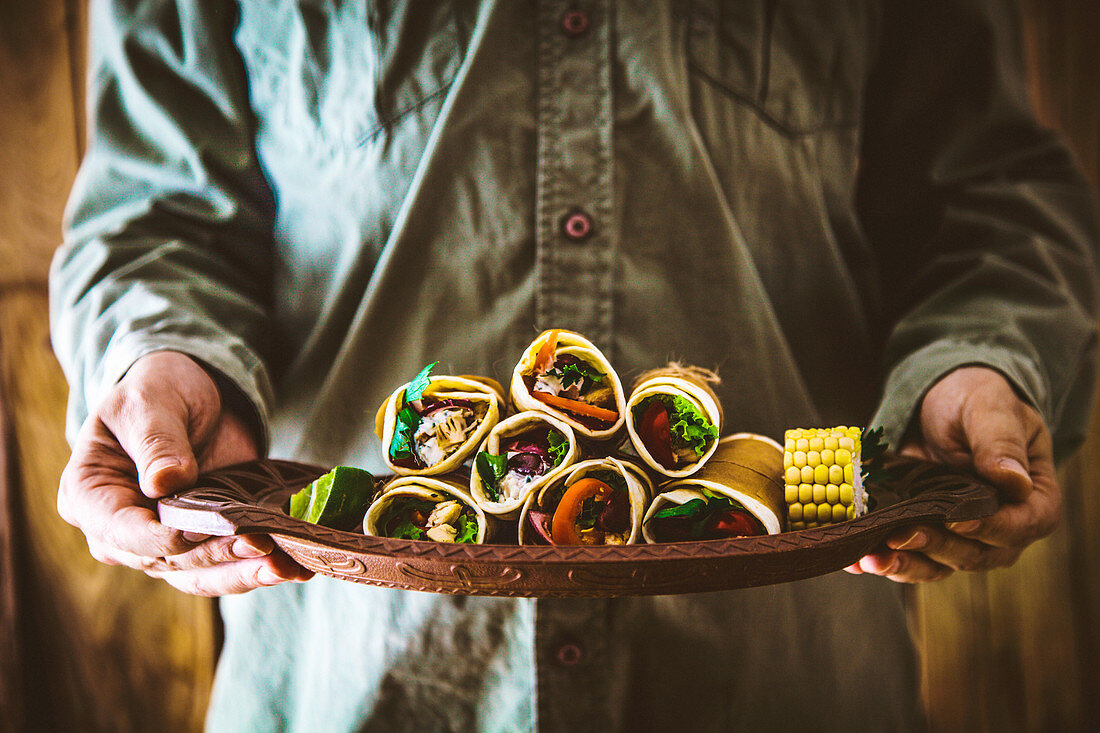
{"x":247,"y":499}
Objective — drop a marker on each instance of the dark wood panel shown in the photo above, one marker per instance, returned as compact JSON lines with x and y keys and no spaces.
{"x":102,"y":648}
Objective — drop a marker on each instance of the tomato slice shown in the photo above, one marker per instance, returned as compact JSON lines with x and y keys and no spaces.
{"x":734,"y":524}
{"x":564,"y":524}
{"x":655,"y":434}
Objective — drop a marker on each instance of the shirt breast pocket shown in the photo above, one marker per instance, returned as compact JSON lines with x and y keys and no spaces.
{"x":797,"y":63}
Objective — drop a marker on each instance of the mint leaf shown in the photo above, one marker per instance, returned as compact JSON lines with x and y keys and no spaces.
{"x":559,"y":446}
{"x":401,"y":446}
{"x":419,"y":383}
{"x":491,"y":468}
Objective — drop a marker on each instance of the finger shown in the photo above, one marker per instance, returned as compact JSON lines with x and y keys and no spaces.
{"x":236,"y":577}
{"x":951,"y":550}
{"x":98,"y":494}
{"x":152,"y":430}
{"x":220,"y":550}
{"x":904,"y":567}
{"x":1000,"y":436}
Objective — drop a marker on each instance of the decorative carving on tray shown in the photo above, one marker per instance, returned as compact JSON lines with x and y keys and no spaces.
{"x":250,"y":498}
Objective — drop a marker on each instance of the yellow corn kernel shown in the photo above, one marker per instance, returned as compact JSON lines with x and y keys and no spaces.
{"x":821,"y":474}
{"x":836,"y":474}
{"x":794,"y":512}
{"x":840,"y":512}
{"x":832,"y":493}
{"x":805,"y":493}
{"x":793,"y":475}
{"x":790,"y":493}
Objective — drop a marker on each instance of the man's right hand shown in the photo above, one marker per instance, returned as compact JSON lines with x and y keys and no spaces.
{"x":160,"y":426}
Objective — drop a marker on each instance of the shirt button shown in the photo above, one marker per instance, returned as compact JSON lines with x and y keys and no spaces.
{"x":576,"y":225}
{"x":570,"y":654}
{"x":574,"y":23}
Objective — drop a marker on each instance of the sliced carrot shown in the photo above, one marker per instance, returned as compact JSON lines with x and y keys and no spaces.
{"x":564,"y":524}
{"x":576,"y":406}
{"x":544,"y":360}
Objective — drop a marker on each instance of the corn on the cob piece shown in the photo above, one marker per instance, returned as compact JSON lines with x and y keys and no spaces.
{"x":822,"y":476}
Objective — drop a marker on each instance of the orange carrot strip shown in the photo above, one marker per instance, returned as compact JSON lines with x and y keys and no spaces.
{"x":545,"y":358}
{"x":576,"y":406}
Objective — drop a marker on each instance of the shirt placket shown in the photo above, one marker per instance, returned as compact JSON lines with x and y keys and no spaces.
{"x":576,"y":236}
{"x":576,"y":231}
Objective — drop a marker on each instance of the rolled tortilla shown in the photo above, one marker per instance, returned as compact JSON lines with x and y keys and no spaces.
{"x":485,"y":394}
{"x":515,"y":488}
{"x":746,"y":468}
{"x":442,"y":493}
{"x":544,"y":503}
{"x":667,"y":384}
{"x":600,"y":421}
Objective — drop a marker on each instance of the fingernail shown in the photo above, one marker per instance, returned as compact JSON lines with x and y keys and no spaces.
{"x":195,"y":537}
{"x":1011,"y":464}
{"x":267,"y":576}
{"x":244,"y":550}
{"x":162,"y":464}
{"x":893,"y":567}
{"x":964,"y":527}
{"x":915,"y":541}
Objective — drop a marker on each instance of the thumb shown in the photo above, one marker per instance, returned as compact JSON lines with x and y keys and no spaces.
{"x":163,"y":454}
{"x":999,"y":446}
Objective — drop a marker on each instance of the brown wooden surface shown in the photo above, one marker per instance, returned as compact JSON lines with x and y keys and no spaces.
{"x":96,"y":648}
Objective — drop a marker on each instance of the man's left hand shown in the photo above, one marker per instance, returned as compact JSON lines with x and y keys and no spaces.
{"x":973,"y":418}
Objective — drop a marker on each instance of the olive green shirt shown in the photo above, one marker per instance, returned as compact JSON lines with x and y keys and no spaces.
{"x":831,"y":203}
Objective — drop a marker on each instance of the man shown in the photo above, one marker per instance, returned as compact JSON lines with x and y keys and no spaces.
{"x":287,"y":210}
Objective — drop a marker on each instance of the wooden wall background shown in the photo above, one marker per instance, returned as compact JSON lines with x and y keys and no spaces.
{"x":86,"y":647}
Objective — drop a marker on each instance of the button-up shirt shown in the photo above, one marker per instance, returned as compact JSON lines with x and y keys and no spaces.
{"x":830,"y":203}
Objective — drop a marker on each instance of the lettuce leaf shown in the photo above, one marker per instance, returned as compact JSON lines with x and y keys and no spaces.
{"x":467,"y":531}
{"x":688,"y":426}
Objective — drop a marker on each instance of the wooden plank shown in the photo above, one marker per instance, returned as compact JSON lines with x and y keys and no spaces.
{"x":1016,"y":649}
{"x":114,"y":650}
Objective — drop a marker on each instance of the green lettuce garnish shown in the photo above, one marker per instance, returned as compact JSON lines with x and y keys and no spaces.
{"x":559,"y":446}
{"x":468,"y":530}
{"x":419,"y":383}
{"x":401,"y":445}
{"x":689,"y":427}
{"x":491,"y":468}
{"x":571,"y":374}
{"x":699,"y":511}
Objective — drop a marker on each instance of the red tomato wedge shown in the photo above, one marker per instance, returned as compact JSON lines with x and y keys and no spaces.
{"x":576,"y":406}
{"x":655,"y":434}
{"x":544,"y":360}
{"x":563,"y":528}
{"x":734,"y":524}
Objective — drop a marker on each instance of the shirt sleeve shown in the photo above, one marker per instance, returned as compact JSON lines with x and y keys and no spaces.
{"x":983,"y":226}
{"x":168,"y":228}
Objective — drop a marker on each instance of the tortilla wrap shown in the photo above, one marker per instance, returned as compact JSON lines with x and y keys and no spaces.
{"x":746,"y":468}
{"x":639,"y":488}
{"x":691,"y":383}
{"x":434,"y":489}
{"x":474,"y":389}
{"x":508,"y":507}
{"x":580,"y":347}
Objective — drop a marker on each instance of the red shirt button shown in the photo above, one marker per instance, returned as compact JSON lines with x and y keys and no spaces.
{"x":574,"y":23}
{"x":577,"y":225}
{"x":570,"y":654}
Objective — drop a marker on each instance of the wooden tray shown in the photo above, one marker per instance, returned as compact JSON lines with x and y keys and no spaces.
{"x":249,"y":499}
